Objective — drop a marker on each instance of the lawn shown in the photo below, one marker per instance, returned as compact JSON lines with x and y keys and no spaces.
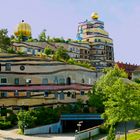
{"x":132,"y":136}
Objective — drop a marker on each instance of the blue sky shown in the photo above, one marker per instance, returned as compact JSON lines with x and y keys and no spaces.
{"x":61,"y":18}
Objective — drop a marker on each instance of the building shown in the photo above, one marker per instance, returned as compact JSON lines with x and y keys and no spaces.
{"x":101,"y":45}
{"x":136,"y":74}
{"x":128,"y":68}
{"x":31,"y":81}
{"x":94,"y":44}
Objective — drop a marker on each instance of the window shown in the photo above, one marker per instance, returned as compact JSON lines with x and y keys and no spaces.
{"x":68,"y":94}
{"x":46,"y":93}
{"x":45,"y":81}
{"x":28,"y":93}
{"x":61,"y":81}
{"x":56,"y":95}
{"x":62,"y":96}
{"x":68,"y":81}
{"x":3,"y":80}
{"x":16,"y":81}
{"x":55,"y":80}
{"x":16,"y":93}
{"x":28,"y":81}
{"x":8,"y":67}
{"x":22,"y":67}
{"x":4,"y":94}
{"x":82,"y":93}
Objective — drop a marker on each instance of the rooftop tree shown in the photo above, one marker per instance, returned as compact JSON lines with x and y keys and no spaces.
{"x":4,"y":39}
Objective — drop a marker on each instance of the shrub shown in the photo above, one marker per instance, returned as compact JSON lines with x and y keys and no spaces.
{"x":10,"y":50}
{"x":5,"y":124}
{"x":48,"y":51}
{"x":103,"y":129}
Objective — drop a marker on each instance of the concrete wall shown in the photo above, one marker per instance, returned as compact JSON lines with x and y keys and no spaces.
{"x":136,"y":75}
{"x":87,"y":134}
{"x":47,"y":129}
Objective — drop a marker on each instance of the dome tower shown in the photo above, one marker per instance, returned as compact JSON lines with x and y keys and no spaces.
{"x":23,"y":29}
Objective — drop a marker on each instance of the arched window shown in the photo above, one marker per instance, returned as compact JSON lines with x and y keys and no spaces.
{"x":55,"y":80}
{"x":68,"y":81}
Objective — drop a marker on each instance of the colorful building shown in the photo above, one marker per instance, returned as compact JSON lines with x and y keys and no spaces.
{"x":31,"y":81}
{"x":101,"y":45}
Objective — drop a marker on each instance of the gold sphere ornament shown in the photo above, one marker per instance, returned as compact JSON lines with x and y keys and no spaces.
{"x":23,"y":28}
{"x":94,"y":15}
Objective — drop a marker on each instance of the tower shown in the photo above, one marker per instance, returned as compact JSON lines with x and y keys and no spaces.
{"x":101,"y":51}
{"x":24,"y":30}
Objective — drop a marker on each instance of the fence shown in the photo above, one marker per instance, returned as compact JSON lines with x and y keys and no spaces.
{"x":87,"y":134}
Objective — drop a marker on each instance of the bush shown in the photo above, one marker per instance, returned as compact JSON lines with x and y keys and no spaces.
{"x":20,"y":53}
{"x":40,"y":116}
{"x":104,"y":129}
{"x":10,"y":50}
{"x":5,"y":124}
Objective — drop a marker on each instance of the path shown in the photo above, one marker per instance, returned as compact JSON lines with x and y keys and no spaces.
{"x":12,"y":135}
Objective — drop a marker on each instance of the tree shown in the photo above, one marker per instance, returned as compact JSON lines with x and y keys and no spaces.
{"x":61,"y":53}
{"x":4,"y":39}
{"x":95,"y":101}
{"x":25,"y":120}
{"x":42,"y":36}
{"x":121,"y":97}
{"x":111,"y":135}
{"x":48,"y":51}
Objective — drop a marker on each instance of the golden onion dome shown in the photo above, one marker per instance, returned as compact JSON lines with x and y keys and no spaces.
{"x":23,"y":28}
{"x":94,"y":15}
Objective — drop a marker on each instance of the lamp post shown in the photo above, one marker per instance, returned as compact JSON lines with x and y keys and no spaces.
{"x":79,"y":125}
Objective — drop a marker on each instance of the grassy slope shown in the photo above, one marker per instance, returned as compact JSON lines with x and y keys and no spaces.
{"x":133,"y":136}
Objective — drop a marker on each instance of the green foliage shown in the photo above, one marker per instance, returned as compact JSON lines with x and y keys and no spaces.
{"x":40,"y":116}
{"x":76,"y":108}
{"x":111,"y":135}
{"x":8,"y":120}
{"x":4,"y":39}
{"x":25,"y":120}
{"x":121,"y":97}
{"x":106,"y":81}
{"x":48,"y":51}
{"x":96,"y":101}
{"x":30,"y":39}
{"x":20,"y":53}
{"x":11,"y":50}
{"x":137,"y":80}
{"x":5,"y":124}
{"x":42,"y":36}
{"x":82,"y":64}
{"x":61,"y":54}
{"x":103,"y":129}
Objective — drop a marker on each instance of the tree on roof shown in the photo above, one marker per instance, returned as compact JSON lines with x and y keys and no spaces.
{"x":42,"y":36}
{"x":4,"y":39}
